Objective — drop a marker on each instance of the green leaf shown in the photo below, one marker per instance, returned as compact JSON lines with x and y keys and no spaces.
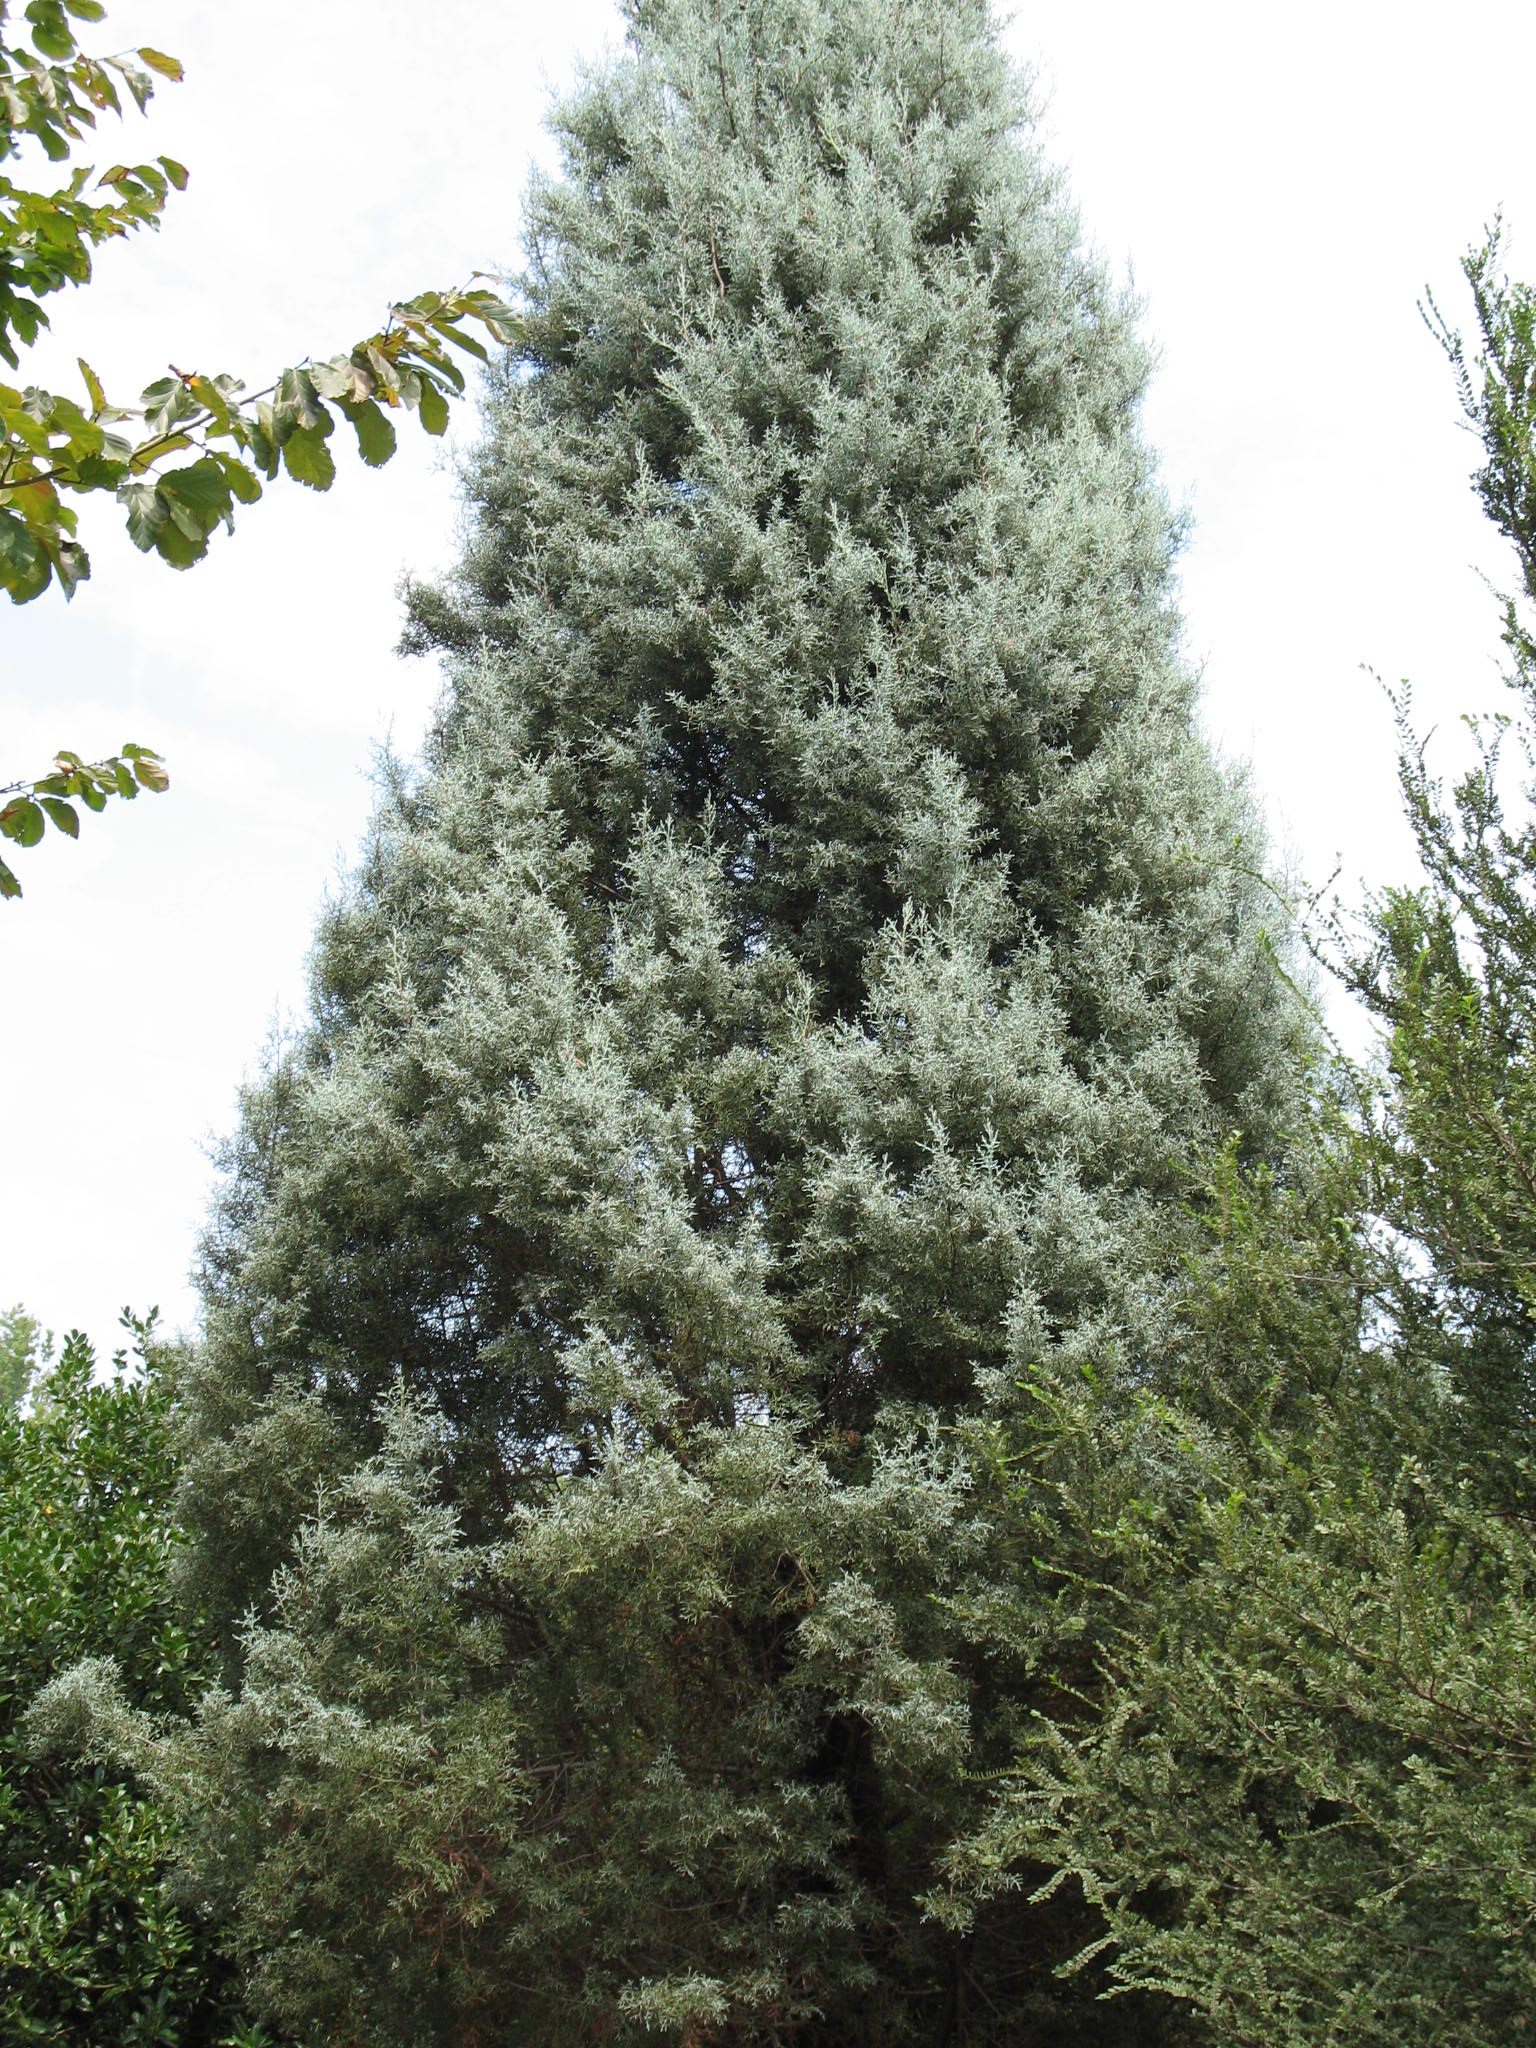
{"x":64,"y":815}
{"x":10,"y":888}
{"x":460,"y":339}
{"x":298,"y":400}
{"x":433,"y":408}
{"x":342,"y":378}
{"x":25,"y":570}
{"x":146,"y":513}
{"x":198,"y":496}
{"x":22,"y":821}
{"x":72,"y":566}
{"x":177,"y":173}
{"x":264,"y":451}
{"x":166,"y":401}
{"x":95,"y":473}
{"x":243,"y":482}
{"x":307,"y":459}
{"x":138,"y":82}
{"x":157,"y":60}
{"x":53,"y":39}
{"x":375,"y":433}
{"x":211,"y":399}
{"x":182,"y":550}
{"x":383,"y":368}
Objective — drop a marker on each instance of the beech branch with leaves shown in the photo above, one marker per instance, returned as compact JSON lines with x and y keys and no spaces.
{"x":54,"y":448}
{"x":53,"y":444}
{"x":24,"y":817}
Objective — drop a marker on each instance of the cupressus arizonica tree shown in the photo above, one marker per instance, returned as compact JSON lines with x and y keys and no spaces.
{"x":780,"y":1012}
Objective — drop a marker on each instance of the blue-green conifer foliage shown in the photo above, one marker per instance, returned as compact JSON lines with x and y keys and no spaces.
{"x":778,"y":1014}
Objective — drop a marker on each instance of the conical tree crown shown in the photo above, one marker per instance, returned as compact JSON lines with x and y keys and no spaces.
{"x":822,"y":513}
{"x":774,"y":1017}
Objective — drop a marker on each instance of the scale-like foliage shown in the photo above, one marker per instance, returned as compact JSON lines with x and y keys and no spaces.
{"x":782,"y":1004}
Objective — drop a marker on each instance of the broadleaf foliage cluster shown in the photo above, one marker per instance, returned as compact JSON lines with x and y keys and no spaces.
{"x":51,"y":94}
{"x":55,"y":448}
{"x":32,"y":806}
{"x":96,"y":1942}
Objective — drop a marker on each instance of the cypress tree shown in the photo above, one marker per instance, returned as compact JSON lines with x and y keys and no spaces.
{"x":773,"y":1017}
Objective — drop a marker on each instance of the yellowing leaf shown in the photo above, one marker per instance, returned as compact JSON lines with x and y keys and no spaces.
{"x":92,"y":385}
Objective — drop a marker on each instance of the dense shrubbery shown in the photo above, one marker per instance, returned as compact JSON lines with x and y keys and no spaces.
{"x":94,"y":1946}
{"x":1296,"y":1777}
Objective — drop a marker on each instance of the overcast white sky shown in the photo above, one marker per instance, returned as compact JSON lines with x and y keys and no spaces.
{"x":1281,"y":183}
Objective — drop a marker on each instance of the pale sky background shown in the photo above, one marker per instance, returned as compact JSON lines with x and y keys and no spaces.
{"x":1282,"y":183}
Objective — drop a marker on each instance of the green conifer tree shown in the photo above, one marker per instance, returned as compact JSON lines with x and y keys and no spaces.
{"x":777,"y":1013}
